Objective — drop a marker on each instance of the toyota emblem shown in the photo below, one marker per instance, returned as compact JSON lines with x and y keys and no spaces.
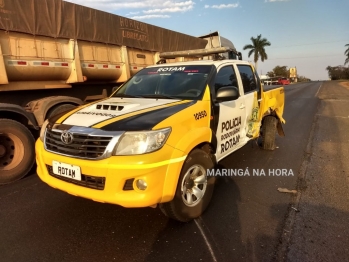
{"x":67,"y":137}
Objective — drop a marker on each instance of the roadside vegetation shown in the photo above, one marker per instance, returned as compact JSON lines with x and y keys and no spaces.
{"x":340,"y":72}
{"x":283,"y":71}
{"x":347,"y":54}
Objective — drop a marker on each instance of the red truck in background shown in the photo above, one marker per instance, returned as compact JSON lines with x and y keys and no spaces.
{"x":283,"y":81}
{"x":276,"y":80}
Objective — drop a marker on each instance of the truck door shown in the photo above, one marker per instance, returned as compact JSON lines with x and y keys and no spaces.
{"x":232,"y":115}
{"x":250,"y":85}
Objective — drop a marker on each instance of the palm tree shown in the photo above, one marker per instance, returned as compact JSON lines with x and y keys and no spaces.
{"x":257,"y":47}
{"x":347,"y":54}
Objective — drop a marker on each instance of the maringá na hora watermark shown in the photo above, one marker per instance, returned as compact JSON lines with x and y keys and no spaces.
{"x":247,"y":172}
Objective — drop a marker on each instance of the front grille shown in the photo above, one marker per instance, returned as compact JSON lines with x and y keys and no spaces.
{"x":82,"y":146}
{"x":86,"y":181}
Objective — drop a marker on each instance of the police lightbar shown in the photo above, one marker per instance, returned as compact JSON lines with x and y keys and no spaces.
{"x":197,"y":52}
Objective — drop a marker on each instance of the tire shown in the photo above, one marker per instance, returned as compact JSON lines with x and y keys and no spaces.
{"x":17,"y":152}
{"x":59,"y":109}
{"x":269,"y":132}
{"x":181,"y":208}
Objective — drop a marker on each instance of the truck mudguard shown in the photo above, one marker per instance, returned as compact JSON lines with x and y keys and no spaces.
{"x":4,"y":107}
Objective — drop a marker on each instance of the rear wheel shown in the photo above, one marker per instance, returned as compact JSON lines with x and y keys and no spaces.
{"x":269,"y":132}
{"x":59,"y":109}
{"x":17,"y":153}
{"x":194,"y":189}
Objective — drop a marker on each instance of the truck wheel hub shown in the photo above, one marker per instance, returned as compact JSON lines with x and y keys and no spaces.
{"x":2,"y":150}
{"x":194,"y":185}
{"x":189,"y":184}
{"x":7,"y":151}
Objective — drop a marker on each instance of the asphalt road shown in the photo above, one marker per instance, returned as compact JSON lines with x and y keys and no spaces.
{"x":244,"y":222}
{"x":320,"y":230}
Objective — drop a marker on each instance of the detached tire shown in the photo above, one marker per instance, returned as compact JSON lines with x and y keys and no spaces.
{"x":269,"y":132}
{"x":17,"y":153}
{"x":194,"y":189}
{"x":59,"y":109}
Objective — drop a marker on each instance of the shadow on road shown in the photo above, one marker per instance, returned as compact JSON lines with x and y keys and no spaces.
{"x":215,"y":236}
{"x":314,"y":236}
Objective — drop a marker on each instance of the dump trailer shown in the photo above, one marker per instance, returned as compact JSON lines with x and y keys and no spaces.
{"x":55,"y":55}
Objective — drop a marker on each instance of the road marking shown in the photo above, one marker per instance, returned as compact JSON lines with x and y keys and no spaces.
{"x":206,"y":241}
{"x":318,"y":90}
{"x":332,"y":116}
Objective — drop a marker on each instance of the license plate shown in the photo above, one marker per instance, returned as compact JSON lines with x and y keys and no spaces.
{"x":66,"y":170}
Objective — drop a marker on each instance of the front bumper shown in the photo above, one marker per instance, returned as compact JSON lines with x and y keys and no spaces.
{"x":159,"y":169}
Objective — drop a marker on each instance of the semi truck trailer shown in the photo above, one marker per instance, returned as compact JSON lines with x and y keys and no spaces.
{"x":55,"y":55}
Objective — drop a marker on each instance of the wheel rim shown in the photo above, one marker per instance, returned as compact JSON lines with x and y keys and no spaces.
{"x":11,"y":151}
{"x":193,"y":185}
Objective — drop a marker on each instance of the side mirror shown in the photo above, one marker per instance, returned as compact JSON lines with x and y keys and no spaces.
{"x":227,"y":93}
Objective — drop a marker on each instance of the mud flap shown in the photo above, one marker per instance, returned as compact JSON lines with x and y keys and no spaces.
{"x":280,"y":129}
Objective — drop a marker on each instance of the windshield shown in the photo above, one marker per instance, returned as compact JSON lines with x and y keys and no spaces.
{"x":177,"y":82}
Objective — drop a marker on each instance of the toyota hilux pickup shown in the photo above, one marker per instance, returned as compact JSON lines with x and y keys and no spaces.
{"x":155,"y":139}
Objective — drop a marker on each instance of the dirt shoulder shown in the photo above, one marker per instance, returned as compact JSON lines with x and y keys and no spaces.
{"x":344,"y":84}
{"x":321,"y":227}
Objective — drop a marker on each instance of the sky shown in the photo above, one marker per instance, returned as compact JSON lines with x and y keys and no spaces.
{"x":307,"y":34}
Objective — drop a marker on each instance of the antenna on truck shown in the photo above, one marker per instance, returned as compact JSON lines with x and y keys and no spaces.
{"x":199,"y":53}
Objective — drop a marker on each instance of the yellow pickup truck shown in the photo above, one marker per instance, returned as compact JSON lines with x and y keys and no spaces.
{"x":154,"y":140}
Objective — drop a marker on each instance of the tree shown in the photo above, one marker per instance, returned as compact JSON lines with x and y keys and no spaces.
{"x":271,"y":74}
{"x":347,"y":54}
{"x":302,"y":79}
{"x":338,"y":72}
{"x":329,"y":69}
{"x":258,"y":48}
{"x":281,"y":71}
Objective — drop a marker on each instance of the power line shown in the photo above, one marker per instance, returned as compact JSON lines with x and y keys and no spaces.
{"x":303,"y":57}
{"x":318,"y":43}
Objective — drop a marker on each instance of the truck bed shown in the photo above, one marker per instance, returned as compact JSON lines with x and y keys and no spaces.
{"x":273,"y":98}
{"x":270,"y":87}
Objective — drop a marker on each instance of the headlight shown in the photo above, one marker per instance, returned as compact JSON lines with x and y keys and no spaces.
{"x":136,"y":143}
{"x":42,"y":131}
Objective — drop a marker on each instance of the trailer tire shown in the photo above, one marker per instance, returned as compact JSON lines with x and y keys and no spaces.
{"x":269,"y":132}
{"x":17,"y":152}
{"x":59,"y":109}
{"x":187,"y":206}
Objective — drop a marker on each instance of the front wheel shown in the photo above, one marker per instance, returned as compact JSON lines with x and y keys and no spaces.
{"x":17,"y":154}
{"x":194,"y":189}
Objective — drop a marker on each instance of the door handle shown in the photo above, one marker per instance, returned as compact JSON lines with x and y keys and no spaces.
{"x":242,"y":106}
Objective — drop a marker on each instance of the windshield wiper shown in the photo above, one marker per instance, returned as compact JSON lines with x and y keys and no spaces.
{"x":160,"y":96}
{"x":125,"y":95}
